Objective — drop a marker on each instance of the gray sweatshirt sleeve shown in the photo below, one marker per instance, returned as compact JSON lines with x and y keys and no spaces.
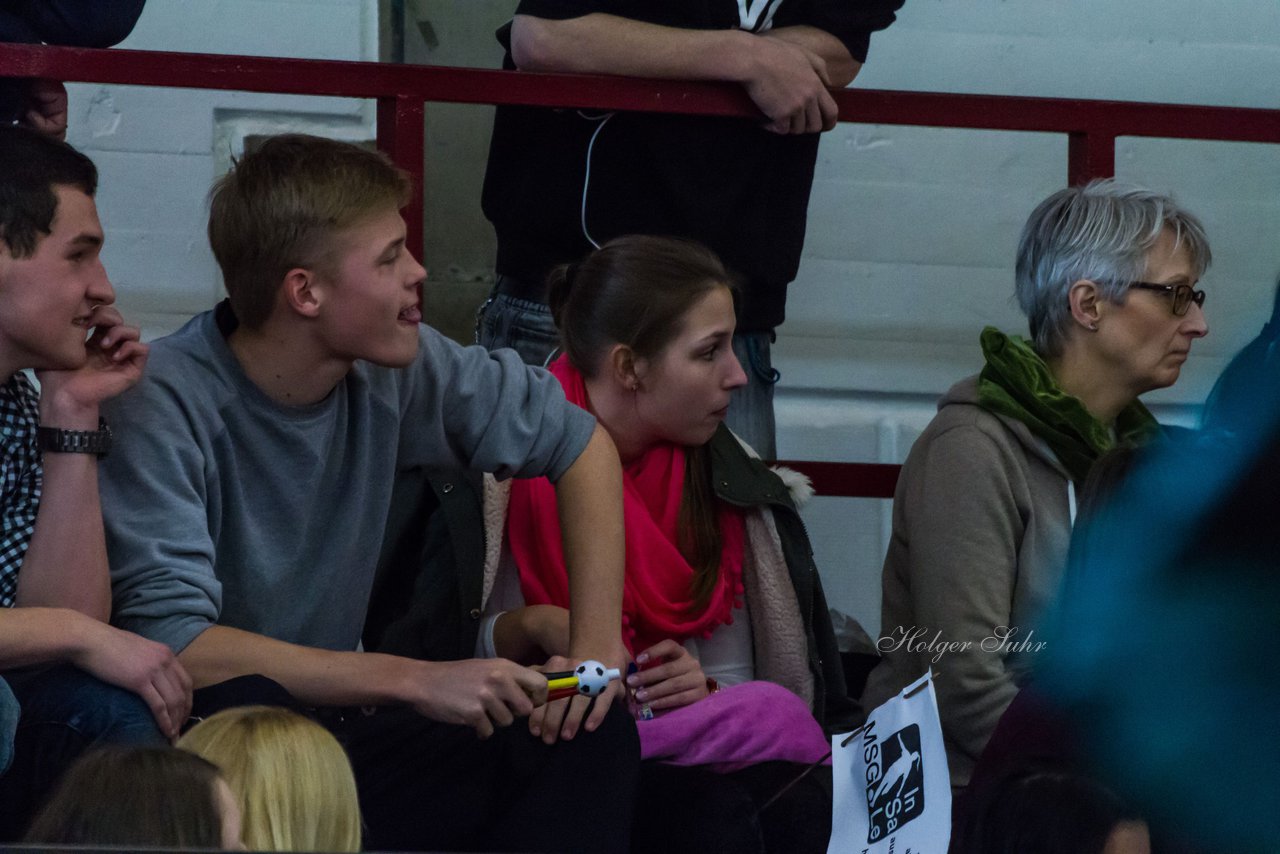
{"x":488,"y":411}
{"x":155,"y":506}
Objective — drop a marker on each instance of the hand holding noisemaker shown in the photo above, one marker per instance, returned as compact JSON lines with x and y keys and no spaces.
{"x":589,"y":678}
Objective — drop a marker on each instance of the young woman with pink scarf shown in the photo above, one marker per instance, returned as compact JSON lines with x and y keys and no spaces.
{"x":723,"y":609}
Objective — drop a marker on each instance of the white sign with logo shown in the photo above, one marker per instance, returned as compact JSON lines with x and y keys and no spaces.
{"x":892,"y":788}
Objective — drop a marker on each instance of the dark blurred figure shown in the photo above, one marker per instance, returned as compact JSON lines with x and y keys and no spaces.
{"x":1251,"y":382}
{"x":1161,"y":654}
{"x":1045,"y":809}
{"x":42,"y":104}
{"x":1034,"y":732}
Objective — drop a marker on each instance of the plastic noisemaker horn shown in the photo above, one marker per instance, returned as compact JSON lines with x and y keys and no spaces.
{"x":589,"y":678}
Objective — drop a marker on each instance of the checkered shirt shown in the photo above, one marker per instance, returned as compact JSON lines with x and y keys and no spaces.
{"x":20,"y":478}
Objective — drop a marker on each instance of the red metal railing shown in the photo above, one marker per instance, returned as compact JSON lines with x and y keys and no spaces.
{"x":401,"y":91}
{"x":848,"y":480}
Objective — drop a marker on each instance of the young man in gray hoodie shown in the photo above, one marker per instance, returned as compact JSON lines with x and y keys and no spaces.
{"x":253,"y":480}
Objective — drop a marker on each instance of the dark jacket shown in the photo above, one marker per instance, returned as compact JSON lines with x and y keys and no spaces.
{"x":744,"y":481}
{"x":427,"y":597}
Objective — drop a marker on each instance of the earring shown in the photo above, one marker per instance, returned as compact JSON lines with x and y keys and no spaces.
{"x":1093,"y":327}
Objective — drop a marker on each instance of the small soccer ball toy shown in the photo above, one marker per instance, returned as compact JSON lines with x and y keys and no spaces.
{"x":594,"y":677}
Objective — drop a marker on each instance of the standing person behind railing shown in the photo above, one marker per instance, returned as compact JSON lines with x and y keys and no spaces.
{"x":983,"y":510}
{"x":41,"y":103}
{"x":561,"y":182}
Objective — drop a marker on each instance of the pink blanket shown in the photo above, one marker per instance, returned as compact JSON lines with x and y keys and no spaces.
{"x":736,"y":727}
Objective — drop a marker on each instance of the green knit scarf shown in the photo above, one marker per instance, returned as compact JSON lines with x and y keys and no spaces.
{"x":1016,"y":382}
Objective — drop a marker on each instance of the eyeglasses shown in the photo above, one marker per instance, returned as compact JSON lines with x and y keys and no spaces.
{"x":1183,"y":295}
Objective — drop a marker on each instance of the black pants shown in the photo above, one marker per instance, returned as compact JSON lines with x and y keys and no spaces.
{"x":693,"y":810}
{"x":430,"y":786}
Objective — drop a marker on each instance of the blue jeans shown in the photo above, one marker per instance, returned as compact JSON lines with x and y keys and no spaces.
{"x":65,"y":711}
{"x":751,"y":407}
{"x":523,"y":325}
{"x":526,"y":327}
{"x":9,"y":710}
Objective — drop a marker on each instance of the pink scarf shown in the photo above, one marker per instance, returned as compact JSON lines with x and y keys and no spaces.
{"x":656,"y":600}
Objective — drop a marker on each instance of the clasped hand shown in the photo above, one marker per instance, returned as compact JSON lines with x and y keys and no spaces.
{"x":790,"y":88}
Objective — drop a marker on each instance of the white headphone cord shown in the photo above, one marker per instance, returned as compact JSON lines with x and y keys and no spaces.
{"x":586,"y":178}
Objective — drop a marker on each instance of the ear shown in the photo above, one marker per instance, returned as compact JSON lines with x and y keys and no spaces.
{"x":301,"y":292}
{"x":1086,"y":303}
{"x":621,"y":361}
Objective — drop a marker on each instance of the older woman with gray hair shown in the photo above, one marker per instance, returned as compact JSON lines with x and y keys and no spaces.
{"x":982,"y":516}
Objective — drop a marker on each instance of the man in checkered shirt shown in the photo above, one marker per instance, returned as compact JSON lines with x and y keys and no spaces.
{"x":60,"y":661}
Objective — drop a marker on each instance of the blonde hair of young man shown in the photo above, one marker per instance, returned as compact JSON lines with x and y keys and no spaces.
{"x":281,"y":208}
{"x":293,"y":780}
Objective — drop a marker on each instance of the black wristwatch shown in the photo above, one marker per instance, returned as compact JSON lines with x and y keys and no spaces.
{"x":58,"y":441}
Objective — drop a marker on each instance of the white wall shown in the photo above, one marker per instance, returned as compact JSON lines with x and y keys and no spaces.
{"x":158,"y":150}
{"x":911,"y":230}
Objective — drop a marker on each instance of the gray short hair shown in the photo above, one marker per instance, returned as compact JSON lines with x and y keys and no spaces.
{"x":1100,"y":232}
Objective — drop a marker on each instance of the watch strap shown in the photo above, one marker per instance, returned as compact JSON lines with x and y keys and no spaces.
{"x":57,"y":440}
